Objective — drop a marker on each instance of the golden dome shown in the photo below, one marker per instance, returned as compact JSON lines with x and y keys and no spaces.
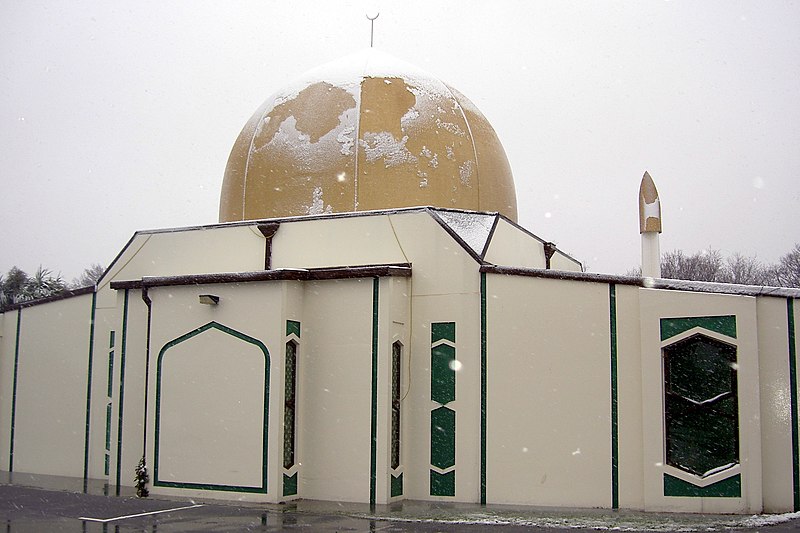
{"x":361,"y":133}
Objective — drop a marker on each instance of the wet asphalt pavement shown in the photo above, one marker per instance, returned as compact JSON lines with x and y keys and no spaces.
{"x":28,"y":509}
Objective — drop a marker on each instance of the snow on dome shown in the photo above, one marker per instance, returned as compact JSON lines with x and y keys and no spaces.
{"x":365,"y":132}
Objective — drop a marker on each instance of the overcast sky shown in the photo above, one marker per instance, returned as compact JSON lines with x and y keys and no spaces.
{"x":118,"y":116}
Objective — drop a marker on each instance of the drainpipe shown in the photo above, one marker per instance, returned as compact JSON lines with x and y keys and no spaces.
{"x":549,"y":252}
{"x":142,"y":477}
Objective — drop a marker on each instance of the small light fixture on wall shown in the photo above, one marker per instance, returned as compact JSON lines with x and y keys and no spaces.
{"x":209,"y":299}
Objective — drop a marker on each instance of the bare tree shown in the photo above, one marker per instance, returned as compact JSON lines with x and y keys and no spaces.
{"x":89,"y":277}
{"x":787,"y":271}
{"x":747,"y":271}
{"x":710,"y":265}
{"x":706,"y":265}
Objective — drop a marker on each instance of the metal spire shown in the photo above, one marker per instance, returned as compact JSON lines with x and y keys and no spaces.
{"x":372,"y":27}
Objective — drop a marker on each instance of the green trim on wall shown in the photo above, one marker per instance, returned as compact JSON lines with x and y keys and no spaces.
{"x":89,"y":393}
{"x":14,"y":392}
{"x":727,"y":488}
{"x":211,"y":486}
{"x":108,"y":427}
{"x":292,"y":326}
{"x":793,"y":385}
{"x":443,"y":484}
{"x":443,"y":438}
{"x":443,"y":331}
{"x":725,"y":324}
{"x":396,"y":485}
{"x":373,"y":451}
{"x":290,"y":485}
{"x":110,"y":388}
{"x":443,"y":377}
{"x":612,"y":311}
{"x":121,"y":403}
{"x":484,"y":331}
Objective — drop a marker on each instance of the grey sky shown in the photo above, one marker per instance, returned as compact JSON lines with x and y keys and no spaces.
{"x":118,"y":116}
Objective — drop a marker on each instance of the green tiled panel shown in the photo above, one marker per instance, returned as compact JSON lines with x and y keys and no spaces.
{"x":443,"y":484}
{"x":443,"y":331}
{"x":727,"y":488}
{"x":443,"y":437}
{"x":109,"y":388}
{"x":443,"y":378}
{"x":290,"y":485}
{"x":292,"y":326}
{"x":721,"y":324}
{"x":108,"y":426}
{"x":700,"y":440}
{"x":397,"y":485}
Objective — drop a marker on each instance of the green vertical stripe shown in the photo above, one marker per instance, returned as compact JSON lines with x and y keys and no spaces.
{"x":89,"y":394}
{"x":14,"y":392}
{"x":110,"y":384}
{"x":121,"y":389}
{"x":108,"y":426}
{"x":374,"y":415}
{"x":793,"y":382}
{"x":483,"y":388}
{"x":612,"y":311}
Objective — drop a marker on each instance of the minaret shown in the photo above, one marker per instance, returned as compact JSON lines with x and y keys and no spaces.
{"x":650,"y":227}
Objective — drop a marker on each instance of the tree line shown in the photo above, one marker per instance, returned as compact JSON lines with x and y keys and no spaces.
{"x":16,"y":286}
{"x":712,"y":265}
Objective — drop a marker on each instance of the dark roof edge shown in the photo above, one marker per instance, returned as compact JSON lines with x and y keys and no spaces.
{"x":71,"y":293}
{"x":311,"y":274}
{"x":560,"y":274}
{"x":280,"y":220}
{"x":647,"y":283}
{"x":525,"y":230}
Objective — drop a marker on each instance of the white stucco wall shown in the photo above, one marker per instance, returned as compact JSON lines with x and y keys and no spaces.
{"x":629,"y":375}
{"x":335,"y":380}
{"x":348,"y":241}
{"x":7,"y":346}
{"x":776,"y":417}
{"x":50,"y":417}
{"x":549,"y":391}
{"x":183,"y":252}
{"x":510,"y":246}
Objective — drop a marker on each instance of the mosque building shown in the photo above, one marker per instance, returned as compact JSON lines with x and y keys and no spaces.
{"x":368,"y":323}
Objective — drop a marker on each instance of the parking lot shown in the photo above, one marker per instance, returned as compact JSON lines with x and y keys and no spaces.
{"x":34,"y":509}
